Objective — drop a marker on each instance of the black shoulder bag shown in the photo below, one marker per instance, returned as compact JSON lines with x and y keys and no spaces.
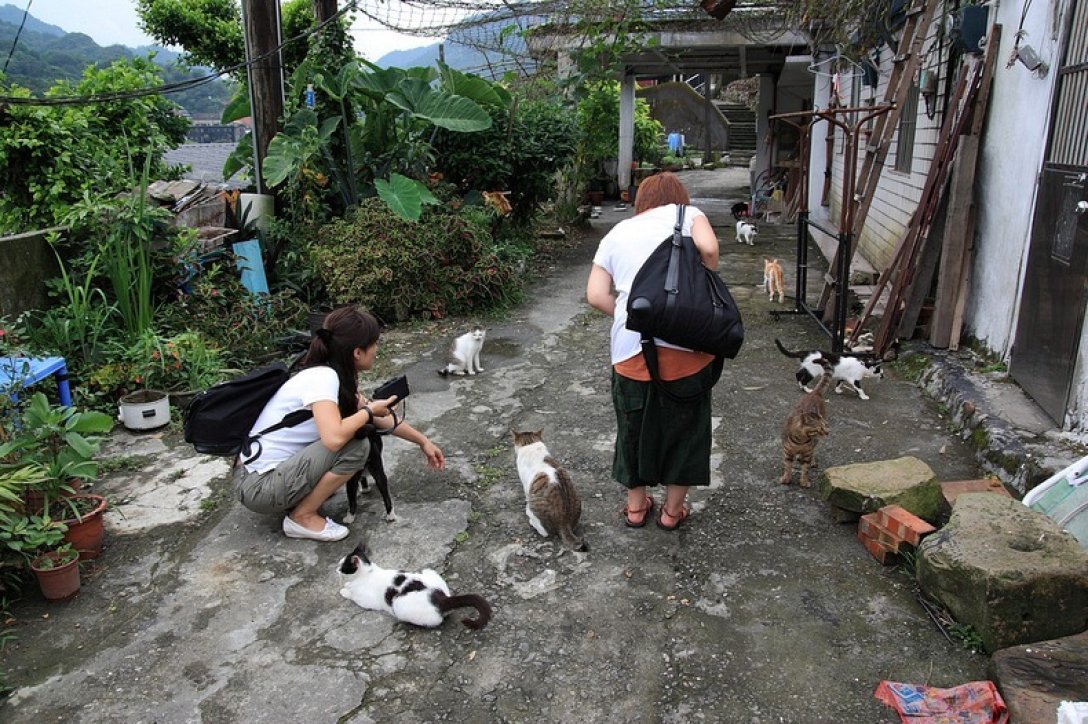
{"x":675,"y":298}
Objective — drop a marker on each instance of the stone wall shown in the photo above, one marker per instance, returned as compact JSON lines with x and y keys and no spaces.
{"x":26,"y":261}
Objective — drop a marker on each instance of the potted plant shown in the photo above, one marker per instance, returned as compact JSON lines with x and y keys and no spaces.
{"x":38,"y":540}
{"x":155,"y":361}
{"x":57,"y":572}
{"x":53,"y":450}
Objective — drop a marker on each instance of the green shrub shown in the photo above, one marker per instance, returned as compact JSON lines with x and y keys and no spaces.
{"x":246,"y":328}
{"x":442,"y":264}
{"x":520,"y":153}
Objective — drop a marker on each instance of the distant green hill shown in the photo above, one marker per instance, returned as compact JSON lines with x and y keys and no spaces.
{"x":462,"y":49}
{"x":45,"y":54}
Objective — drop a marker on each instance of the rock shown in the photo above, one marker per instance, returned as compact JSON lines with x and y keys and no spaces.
{"x":1034,"y":679}
{"x":867,"y":487}
{"x":1007,"y":571}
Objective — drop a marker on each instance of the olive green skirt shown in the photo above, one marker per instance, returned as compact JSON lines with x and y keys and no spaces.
{"x":660,"y":441}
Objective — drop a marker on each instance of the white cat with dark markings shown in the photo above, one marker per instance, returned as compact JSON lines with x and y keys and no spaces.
{"x":746,"y":232}
{"x":845,"y":370}
{"x":464,"y":356}
{"x":422,"y":599}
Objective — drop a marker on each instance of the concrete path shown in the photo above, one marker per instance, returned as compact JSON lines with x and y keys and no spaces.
{"x":760,"y":609}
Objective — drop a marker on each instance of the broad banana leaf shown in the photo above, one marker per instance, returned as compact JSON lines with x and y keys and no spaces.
{"x":404,"y":196}
{"x":442,"y":109}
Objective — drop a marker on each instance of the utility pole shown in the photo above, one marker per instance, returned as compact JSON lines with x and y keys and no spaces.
{"x":261,"y":24}
{"x":324,"y":9}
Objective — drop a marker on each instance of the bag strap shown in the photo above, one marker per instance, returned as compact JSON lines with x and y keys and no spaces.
{"x":289,"y":420}
{"x":649,"y":353}
{"x":672,"y":275}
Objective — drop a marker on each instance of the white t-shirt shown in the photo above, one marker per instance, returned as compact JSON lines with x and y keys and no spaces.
{"x":311,"y":385}
{"x":622,"y":253}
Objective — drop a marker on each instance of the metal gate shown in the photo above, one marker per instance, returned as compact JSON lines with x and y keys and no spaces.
{"x":1052,"y":308}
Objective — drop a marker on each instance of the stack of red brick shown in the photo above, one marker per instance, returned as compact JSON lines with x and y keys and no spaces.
{"x":890,"y":531}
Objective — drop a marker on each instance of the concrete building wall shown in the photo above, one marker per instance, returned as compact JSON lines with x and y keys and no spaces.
{"x":1014,"y":141}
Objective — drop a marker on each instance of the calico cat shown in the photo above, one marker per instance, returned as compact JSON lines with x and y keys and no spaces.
{"x":773,"y":280}
{"x":803,"y":428}
{"x":465,"y":354}
{"x":422,"y":599}
{"x":746,"y":232}
{"x":846,"y":370}
{"x":551,"y":502}
{"x":376,"y":470}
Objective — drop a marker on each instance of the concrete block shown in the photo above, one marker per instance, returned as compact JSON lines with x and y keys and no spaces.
{"x":867,"y":487}
{"x":1007,"y":571}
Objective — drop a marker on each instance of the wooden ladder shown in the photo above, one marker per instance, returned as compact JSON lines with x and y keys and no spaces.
{"x":904,"y":68}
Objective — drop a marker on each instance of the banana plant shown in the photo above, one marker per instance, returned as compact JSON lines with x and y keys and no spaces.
{"x":386,"y":116}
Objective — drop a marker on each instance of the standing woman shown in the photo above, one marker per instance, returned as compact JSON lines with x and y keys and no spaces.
{"x":299,"y":468}
{"x":658,"y":441}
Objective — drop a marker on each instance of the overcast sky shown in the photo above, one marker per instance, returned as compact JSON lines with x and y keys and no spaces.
{"x":115,"y":21}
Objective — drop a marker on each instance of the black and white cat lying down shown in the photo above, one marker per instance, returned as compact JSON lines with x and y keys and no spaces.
{"x":845,"y":370}
{"x":422,"y":599}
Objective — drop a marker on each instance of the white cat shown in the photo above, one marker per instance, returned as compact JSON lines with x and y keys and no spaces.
{"x":746,"y":232}
{"x":464,"y":356}
{"x":422,"y":599}
{"x":845,"y":370}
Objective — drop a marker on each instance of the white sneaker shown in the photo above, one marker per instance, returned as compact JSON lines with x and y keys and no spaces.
{"x":332,"y":531}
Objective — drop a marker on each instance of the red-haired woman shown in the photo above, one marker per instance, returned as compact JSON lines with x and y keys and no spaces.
{"x":658,"y":441}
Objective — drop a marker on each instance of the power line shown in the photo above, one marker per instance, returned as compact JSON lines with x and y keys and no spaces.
{"x":19,"y":32}
{"x":168,"y":87}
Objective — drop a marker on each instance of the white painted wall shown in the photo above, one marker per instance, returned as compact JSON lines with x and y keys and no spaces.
{"x":1014,"y":140}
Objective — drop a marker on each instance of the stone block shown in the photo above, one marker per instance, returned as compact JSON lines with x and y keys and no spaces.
{"x":1007,"y":571}
{"x":1035,"y":678}
{"x":868,"y":487}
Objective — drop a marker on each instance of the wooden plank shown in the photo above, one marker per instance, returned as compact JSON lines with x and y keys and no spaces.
{"x":954,"y":248}
{"x":902,"y":76}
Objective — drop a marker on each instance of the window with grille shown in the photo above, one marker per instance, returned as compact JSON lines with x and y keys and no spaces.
{"x":908,"y":121}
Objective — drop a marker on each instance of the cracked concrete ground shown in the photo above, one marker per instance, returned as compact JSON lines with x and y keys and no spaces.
{"x":760,"y":609}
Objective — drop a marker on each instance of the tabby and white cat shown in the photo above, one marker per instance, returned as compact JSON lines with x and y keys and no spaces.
{"x":773,"y":281}
{"x":846,"y":370}
{"x":551,"y":502}
{"x":464,"y":356}
{"x":803,"y":428}
{"x":422,"y":599}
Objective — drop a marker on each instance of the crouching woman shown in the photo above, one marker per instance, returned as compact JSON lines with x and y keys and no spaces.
{"x":296,"y":469}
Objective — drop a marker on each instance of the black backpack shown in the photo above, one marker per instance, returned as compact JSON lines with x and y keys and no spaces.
{"x":218,"y":420}
{"x":676,"y":299}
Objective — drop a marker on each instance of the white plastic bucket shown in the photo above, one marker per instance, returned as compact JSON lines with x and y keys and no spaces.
{"x":145,"y":409}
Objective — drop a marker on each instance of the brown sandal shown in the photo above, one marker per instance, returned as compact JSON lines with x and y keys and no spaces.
{"x":680,"y":518}
{"x":637,"y":518}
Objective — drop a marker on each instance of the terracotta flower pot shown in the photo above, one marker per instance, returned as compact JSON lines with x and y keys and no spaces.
{"x":58,"y":582}
{"x":86,"y":534}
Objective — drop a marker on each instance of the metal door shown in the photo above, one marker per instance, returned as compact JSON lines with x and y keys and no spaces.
{"x":1052,"y":307}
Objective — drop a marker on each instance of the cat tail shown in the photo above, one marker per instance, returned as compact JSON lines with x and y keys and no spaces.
{"x":783,"y":350}
{"x":448,"y":603}
{"x":571,"y":540}
{"x":444,"y":371}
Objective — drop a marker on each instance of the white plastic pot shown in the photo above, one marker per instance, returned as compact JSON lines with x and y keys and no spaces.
{"x":145,"y":409}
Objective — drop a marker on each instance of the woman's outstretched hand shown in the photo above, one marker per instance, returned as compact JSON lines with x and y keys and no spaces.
{"x":435,"y":459}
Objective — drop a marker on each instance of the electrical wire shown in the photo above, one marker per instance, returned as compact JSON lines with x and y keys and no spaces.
{"x":19,"y":32}
{"x":170,"y":87}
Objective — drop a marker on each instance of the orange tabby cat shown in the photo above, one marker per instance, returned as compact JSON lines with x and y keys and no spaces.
{"x":772,"y":279}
